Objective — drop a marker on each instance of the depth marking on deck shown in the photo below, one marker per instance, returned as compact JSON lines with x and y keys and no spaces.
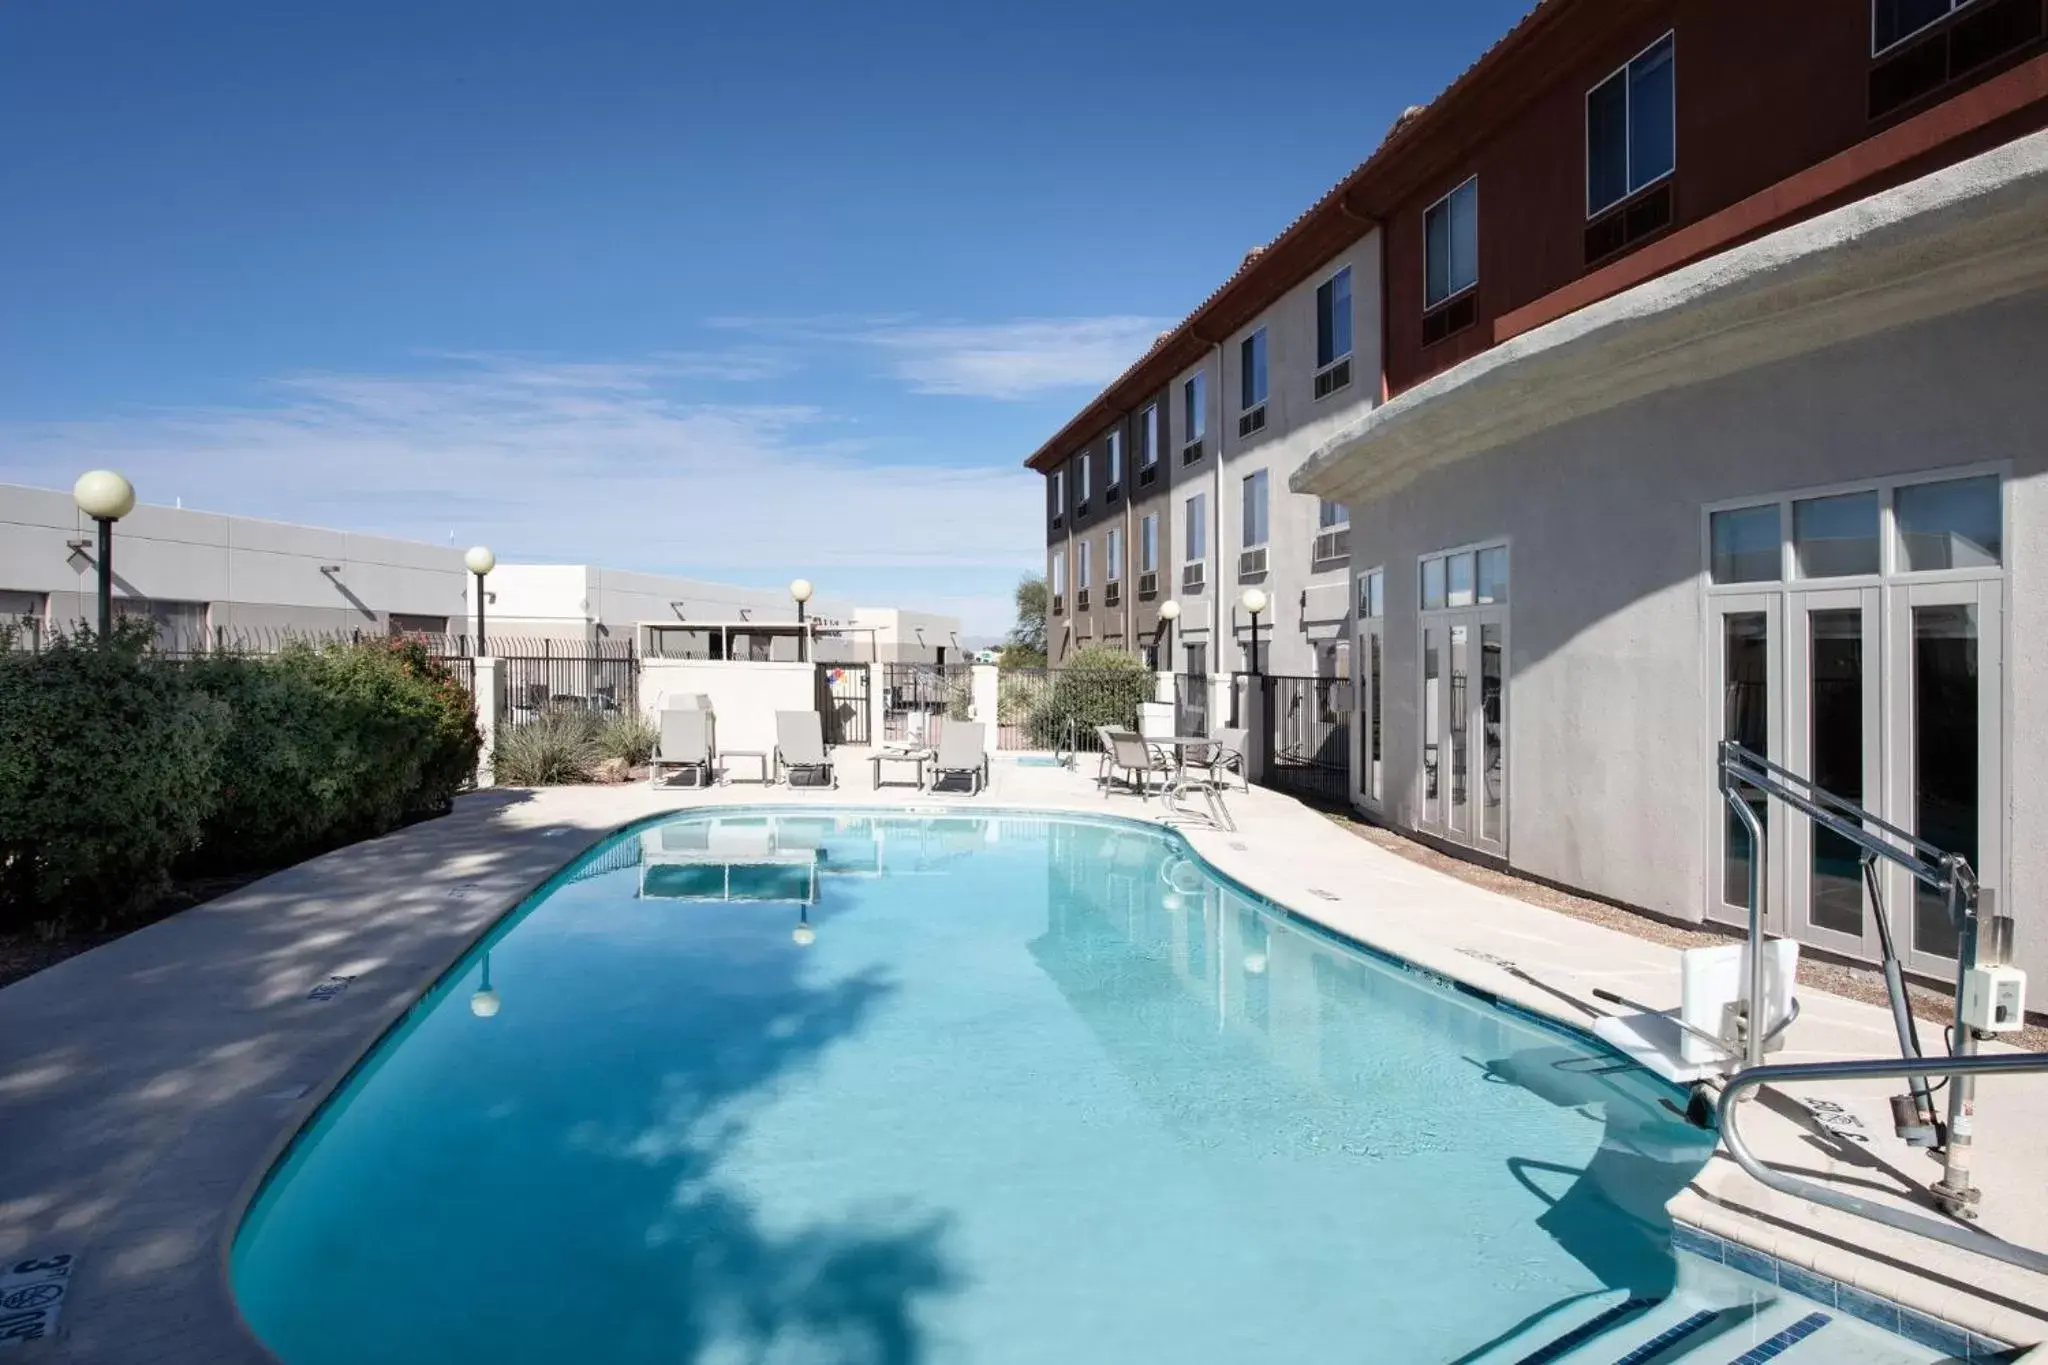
{"x":329,"y":989}
{"x":31,"y":1296}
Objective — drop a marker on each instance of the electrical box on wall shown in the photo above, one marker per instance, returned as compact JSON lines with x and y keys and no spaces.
{"x":1994,"y":999}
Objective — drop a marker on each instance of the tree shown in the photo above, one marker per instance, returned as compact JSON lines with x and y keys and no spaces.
{"x":1027,"y":637}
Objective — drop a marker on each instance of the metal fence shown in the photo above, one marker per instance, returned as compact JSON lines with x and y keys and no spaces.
{"x":1309,"y":720}
{"x":843,"y":702}
{"x":1190,"y":704}
{"x":1038,"y":708}
{"x":913,"y":694}
{"x":541,"y":676}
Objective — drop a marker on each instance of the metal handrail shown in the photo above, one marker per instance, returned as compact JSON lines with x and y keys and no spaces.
{"x":1955,"y":1234}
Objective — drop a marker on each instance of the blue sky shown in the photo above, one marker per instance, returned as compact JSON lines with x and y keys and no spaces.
{"x":738,"y":291}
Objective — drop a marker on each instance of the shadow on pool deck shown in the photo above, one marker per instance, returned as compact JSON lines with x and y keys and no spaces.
{"x":141,"y":1084}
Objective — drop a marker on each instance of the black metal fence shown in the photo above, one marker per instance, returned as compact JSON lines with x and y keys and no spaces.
{"x":601,"y":676}
{"x":1039,"y":708}
{"x":843,"y":702}
{"x":1190,"y":704}
{"x":913,"y":694}
{"x":1309,"y":731}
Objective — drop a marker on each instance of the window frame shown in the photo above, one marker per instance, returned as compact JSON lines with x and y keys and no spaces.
{"x":1113,"y":555}
{"x":1323,"y":503}
{"x":1194,"y":401}
{"x":1257,"y":341}
{"x":1081,"y":485}
{"x":1113,"y":460}
{"x":1148,"y":543}
{"x":1429,"y":305}
{"x":1263,"y":479}
{"x":1337,"y":358}
{"x":1955,"y":7}
{"x":1059,"y":490}
{"x":1083,"y":567}
{"x":1195,"y":516}
{"x":1450,"y":552}
{"x":1628,"y":129}
{"x":1148,"y":436}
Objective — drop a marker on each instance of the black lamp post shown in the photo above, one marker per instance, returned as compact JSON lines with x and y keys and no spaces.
{"x":480,"y":561}
{"x":800,"y":589}
{"x":1169,"y":612}
{"x":106,"y":497}
{"x":1254,"y":600}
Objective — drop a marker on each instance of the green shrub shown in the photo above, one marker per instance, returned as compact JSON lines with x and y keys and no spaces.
{"x":553,"y":748}
{"x":1098,"y":686}
{"x":627,"y":735}
{"x":106,"y":777}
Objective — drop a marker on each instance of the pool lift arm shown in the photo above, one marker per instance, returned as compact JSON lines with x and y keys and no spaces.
{"x":1989,"y":999}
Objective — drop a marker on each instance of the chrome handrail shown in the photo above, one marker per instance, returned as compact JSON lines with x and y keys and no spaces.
{"x":1955,"y":1234}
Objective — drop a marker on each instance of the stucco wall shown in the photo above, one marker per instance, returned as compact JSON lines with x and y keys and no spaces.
{"x":1610,"y":785}
{"x":744,"y":696}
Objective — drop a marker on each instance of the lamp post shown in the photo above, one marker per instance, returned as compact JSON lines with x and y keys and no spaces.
{"x":1254,"y":601}
{"x":803,"y":936}
{"x":483,"y":1003}
{"x":480,"y":561}
{"x":1169,"y":612}
{"x":800,"y":589}
{"x":106,"y":497}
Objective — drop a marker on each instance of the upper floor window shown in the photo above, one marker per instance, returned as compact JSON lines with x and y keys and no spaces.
{"x":1330,"y":514}
{"x":1333,"y":318}
{"x":1372,"y":595}
{"x":1255,"y":510}
{"x":1081,"y":478}
{"x":1113,"y":555}
{"x":1631,"y":129}
{"x":1894,"y":21}
{"x":1450,"y":244}
{"x":1251,"y":362}
{"x":1059,"y":576}
{"x":1115,"y":459}
{"x":1148,"y":543}
{"x":1195,"y":541}
{"x":1081,"y":575}
{"x":1059,"y":491}
{"x":1194,"y":414}
{"x":1148,"y":436}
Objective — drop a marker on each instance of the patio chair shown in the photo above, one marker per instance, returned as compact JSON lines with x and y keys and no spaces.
{"x":1133,"y":762}
{"x":800,"y":748}
{"x":1223,"y":756}
{"x":963,"y":752}
{"x":685,"y":743}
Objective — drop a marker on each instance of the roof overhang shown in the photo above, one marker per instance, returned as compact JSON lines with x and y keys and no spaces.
{"x":1958,"y":238}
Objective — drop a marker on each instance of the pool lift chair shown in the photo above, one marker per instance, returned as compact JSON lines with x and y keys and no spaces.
{"x":1708,"y":1043}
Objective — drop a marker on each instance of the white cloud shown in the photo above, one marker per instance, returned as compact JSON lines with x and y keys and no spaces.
{"x":585,"y":463}
{"x":1016,"y":359}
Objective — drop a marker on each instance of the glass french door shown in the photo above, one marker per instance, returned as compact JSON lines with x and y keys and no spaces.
{"x":1371,"y":665}
{"x":1945,"y":683}
{"x":1464,"y":727}
{"x":1834,"y":664}
{"x":1747,"y":653}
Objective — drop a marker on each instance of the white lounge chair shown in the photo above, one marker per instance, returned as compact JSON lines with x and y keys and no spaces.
{"x":800,"y":748}
{"x":684,"y":743}
{"x":963,"y":752}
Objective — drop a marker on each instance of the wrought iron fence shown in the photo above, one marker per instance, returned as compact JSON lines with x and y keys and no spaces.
{"x":1309,"y":723}
{"x":1038,"y":708}
{"x":843,"y":702}
{"x":1190,"y":704}
{"x":600,"y":676}
{"x":913,"y":694}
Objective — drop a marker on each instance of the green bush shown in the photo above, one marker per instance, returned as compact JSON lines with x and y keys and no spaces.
{"x":1098,"y":686}
{"x":555,"y":747}
{"x":117,"y":766}
{"x":106,"y":777}
{"x":627,"y":735}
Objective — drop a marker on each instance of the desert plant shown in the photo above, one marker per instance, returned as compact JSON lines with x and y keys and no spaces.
{"x":106,"y":776}
{"x":1016,"y":693}
{"x":627,"y":735}
{"x":1098,"y":686}
{"x":556,"y":747}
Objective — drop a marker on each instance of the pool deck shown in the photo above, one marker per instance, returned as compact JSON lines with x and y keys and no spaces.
{"x":146,"y":1085}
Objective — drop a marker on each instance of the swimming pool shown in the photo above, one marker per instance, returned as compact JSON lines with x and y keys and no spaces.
{"x":840,"y":1086}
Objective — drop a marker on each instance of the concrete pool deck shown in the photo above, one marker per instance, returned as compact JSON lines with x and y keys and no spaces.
{"x":146,"y":1085}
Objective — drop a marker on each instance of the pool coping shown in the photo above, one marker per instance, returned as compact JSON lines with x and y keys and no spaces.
{"x":1743,"y":1243}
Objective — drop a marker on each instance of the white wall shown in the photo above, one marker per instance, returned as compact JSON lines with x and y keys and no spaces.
{"x":744,"y":696}
{"x":575,"y":600}
{"x":258,"y":574}
{"x":900,"y":636}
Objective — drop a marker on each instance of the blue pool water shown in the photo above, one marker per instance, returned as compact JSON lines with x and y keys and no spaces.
{"x":1036,"y":1090}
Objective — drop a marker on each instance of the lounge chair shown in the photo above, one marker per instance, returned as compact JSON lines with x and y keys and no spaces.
{"x":685,"y":743}
{"x":800,"y":748}
{"x":963,"y":752}
{"x":1133,"y":762}
{"x":1223,"y":756}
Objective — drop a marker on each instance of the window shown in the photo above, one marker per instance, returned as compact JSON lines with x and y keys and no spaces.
{"x":1450,"y":244}
{"x":1493,"y":575}
{"x":1059,"y":491}
{"x":1148,"y":543}
{"x":1372,"y":595}
{"x":1081,"y":574}
{"x":1953,"y":524}
{"x":1835,"y":537}
{"x":1059,"y":577}
{"x":1197,"y":528}
{"x":1194,"y":407}
{"x":1333,"y":318}
{"x":1631,"y":128}
{"x":1081,"y":482}
{"x":1251,"y":369}
{"x":1459,"y":593}
{"x":1745,"y":545}
{"x":1255,"y":509}
{"x":1148,"y":436}
{"x":1894,"y":21}
{"x":1113,"y":556}
{"x":1115,"y":460}
{"x":1432,"y":584}
{"x":1330,"y":514}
